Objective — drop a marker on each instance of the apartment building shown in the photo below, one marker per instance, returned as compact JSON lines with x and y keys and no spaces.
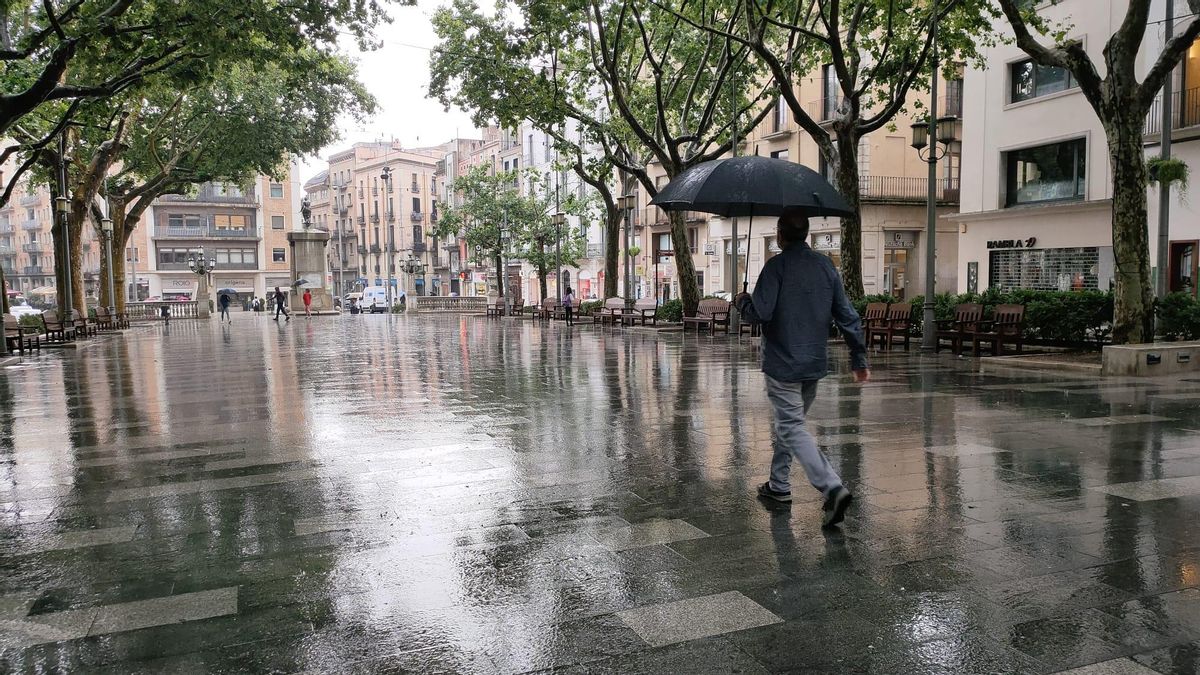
{"x":379,"y":203}
{"x":1037,"y":212}
{"x":243,"y":228}
{"x":27,"y":246}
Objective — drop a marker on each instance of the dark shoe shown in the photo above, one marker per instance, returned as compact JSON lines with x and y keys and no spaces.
{"x":766,"y":492}
{"x":835,"y":506}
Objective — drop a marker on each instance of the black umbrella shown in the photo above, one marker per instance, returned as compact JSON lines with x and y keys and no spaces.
{"x":750,"y":186}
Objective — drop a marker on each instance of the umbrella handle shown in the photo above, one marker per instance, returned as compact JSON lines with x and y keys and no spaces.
{"x":749,"y":230}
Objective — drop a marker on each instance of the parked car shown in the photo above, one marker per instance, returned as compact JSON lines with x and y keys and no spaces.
{"x":22,"y":310}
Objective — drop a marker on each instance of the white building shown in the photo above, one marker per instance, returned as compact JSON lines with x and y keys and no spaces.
{"x":1036,"y":211}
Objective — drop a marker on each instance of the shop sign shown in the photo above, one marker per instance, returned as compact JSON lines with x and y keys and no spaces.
{"x":830,"y":241}
{"x":1012,"y":243}
{"x":180,"y":283}
{"x":479,"y":277}
{"x":900,"y":240}
{"x":710,"y":249}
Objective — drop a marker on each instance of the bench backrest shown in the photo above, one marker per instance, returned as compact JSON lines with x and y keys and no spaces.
{"x":712,"y":306}
{"x":614,"y":305}
{"x":78,"y":317}
{"x":102,"y":314}
{"x":518,"y":305}
{"x":11,"y":325}
{"x":968,"y":313}
{"x":1008,"y":319}
{"x":50,"y":318}
{"x":549,"y":303}
{"x":646,"y":305}
{"x":875,"y":311}
{"x":899,"y":313}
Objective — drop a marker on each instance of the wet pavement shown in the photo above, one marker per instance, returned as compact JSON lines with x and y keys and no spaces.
{"x":384,"y":494}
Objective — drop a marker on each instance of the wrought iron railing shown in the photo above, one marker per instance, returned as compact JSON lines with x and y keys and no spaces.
{"x":1185,"y":111}
{"x":906,"y":189}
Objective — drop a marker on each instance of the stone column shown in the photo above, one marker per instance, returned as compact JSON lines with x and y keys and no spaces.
{"x":202,"y":296}
{"x":309,"y":263}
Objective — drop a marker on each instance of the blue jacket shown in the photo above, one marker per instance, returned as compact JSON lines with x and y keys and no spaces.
{"x":797,"y":295}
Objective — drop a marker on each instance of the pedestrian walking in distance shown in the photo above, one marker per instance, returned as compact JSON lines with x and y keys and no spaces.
{"x":223,"y":304}
{"x":165,"y":313}
{"x":280,"y":308}
{"x":798,"y":294}
{"x":569,"y":306}
{"x":307,"y":304}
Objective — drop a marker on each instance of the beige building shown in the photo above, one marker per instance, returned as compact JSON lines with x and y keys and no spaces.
{"x":27,"y":247}
{"x":379,"y":203}
{"x":243,"y":228}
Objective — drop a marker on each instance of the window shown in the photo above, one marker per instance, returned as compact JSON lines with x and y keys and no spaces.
{"x":952,"y":105}
{"x":276,"y":190}
{"x":278,"y":255}
{"x":1030,"y":80}
{"x":780,"y":154}
{"x":417,"y":237}
{"x":223,"y":221}
{"x":1051,"y":269}
{"x":414,"y":183}
{"x":416,"y":205}
{"x":1047,"y":173}
{"x":692,"y":237}
{"x":829,"y":92}
{"x":781,"y":115}
{"x":245,"y":257}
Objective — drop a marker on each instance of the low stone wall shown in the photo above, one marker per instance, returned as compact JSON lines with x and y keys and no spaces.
{"x":445,"y":304}
{"x":152,"y":311}
{"x":1149,"y":360}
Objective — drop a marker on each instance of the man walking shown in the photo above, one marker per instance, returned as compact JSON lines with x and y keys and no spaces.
{"x":798,"y":294}
{"x":280,"y":299}
{"x":223,"y":304}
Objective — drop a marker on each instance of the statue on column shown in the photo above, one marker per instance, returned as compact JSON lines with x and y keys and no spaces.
{"x":306,"y":213}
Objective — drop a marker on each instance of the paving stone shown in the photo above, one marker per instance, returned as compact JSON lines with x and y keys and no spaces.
{"x":696,"y":618}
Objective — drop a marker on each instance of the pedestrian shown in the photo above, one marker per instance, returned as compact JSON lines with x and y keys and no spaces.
{"x":280,"y":299}
{"x":223,"y":304}
{"x":307,"y":304}
{"x":165,"y":312}
{"x":798,"y":294}
{"x":568,"y":306}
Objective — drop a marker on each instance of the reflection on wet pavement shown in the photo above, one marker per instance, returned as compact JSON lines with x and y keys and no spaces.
{"x":445,"y":494}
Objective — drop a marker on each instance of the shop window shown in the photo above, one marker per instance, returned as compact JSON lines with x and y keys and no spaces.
{"x":781,"y":154}
{"x":1029,"y":80}
{"x":1047,"y":173}
{"x":1051,"y":269}
{"x":1184,"y":266}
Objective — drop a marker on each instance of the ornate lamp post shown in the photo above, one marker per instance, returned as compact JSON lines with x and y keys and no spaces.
{"x":202,"y":267}
{"x":627,"y":203}
{"x":412,"y":266}
{"x":926,"y":139}
{"x":106,"y":226}
{"x":558,"y":219}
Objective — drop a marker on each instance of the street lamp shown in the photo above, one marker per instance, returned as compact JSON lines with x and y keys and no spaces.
{"x":558,"y":219}
{"x":932,"y":140}
{"x":627,"y":203}
{"x":202,"y":267}
{"x":390,"y":249}
{"x":106,"y":226}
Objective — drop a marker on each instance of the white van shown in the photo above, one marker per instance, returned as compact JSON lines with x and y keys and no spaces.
{"x":374,"y":299}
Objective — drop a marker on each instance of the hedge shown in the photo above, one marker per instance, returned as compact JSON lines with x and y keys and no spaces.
{"x":31,"y":322}
{"x":670,"y":311}
{"x":590,"y":306}
{"x":1179,"y":317}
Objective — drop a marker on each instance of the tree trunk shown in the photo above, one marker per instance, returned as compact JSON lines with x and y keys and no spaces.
{"x":3,"y":292}
{"x":499,"y":274}
{"x":685,"y":269}
{"x":121,"y":237}
{"x":612,"y":247}
{"x":848,"y":185}
{"x":541,"y":268}
{"x":103,"y":298}
{"x":1133,"y":296}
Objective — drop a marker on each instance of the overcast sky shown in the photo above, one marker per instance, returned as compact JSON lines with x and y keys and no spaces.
{"x":398,"y":75}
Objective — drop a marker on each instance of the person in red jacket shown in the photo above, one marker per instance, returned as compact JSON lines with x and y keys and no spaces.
{"x":307,"y":304}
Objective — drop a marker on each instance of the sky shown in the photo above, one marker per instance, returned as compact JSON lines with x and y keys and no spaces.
{"x":397,"y":74}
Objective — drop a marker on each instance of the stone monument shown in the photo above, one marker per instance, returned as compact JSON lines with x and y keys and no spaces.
{"x":309,"y":263}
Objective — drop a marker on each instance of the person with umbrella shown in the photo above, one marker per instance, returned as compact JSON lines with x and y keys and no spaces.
{"x":798,"y":294}
{"x":280,"y":302}
{"x":223,"y":305}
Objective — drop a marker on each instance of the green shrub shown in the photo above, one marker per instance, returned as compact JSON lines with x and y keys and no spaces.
{"x":1064,"y":317}
{"x":860,"y":305}
{"x":398,"y":308}
{"x":1179,"y":317}
{"x":31,"y":322}
{"x":670,"y":311}
{"x":590,"y":306}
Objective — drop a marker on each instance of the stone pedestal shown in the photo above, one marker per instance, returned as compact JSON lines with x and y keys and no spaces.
{"x":309,"y":263}
{"x":202,"y":296}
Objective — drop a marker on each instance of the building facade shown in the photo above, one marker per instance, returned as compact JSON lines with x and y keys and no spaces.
{"x":1037,"y":212}
{"x":243,"y":228}
{"x":27,"y":247}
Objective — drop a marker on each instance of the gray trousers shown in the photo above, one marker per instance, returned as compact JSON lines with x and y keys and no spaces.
{"x":791,"y":401}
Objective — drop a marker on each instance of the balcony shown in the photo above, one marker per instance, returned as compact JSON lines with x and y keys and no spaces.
{"x":433,"y":216}
{"x":203,"y":232}
{"x":419,"y":247}
{"x":360,"y":193}
{"x":221,"y":267}
{"x":374,"y":218}
{"x":375,"y":248}
{"x":343,"y":210}
{"x":33,"y":270}
{"x":1185,"y":111}
{"x":6,"y":251}
{"x":414,"y":188}
{"x":391,"y":216}
{"x":416,"y":217}
{"x":362,"y":250}
{"x":209,"y":195}
{"x":339,"y":185}
{"x":35,"y":247}
{"x":907,"y":190}
{"x":6,"y":228}
{"x":362,"y":221}
{"x":31,"y":224}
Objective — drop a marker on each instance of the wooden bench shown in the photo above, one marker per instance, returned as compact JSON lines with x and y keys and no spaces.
{"x":83,"y":326}
{"x":711,"y":312}
{"x":959,"y":329}
{"x":1007,"y":325}
{"x":896,"y":323}
{"x":496,"y":309}
{"x":547,"y":309}
{"x":609,"y":312}
{"x":560,"y":311}
{"x":18,"y":337}
{"x":56,"y":329}
{"x":642,"y":311}
{"x":106,"y":321}
{"x":874,"y":315}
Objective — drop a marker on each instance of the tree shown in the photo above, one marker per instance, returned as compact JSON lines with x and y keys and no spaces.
{"x":1121,"y":103}
{"x":874,"y":53}
{"x":488,"y":65}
